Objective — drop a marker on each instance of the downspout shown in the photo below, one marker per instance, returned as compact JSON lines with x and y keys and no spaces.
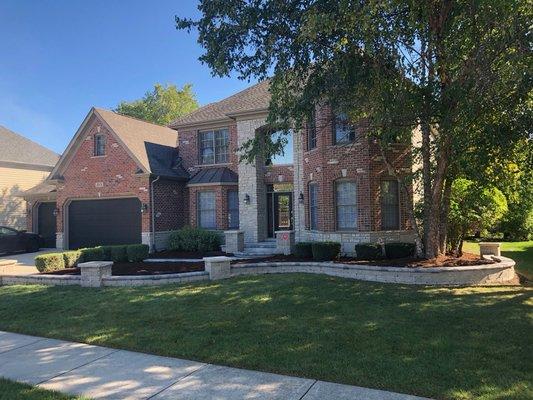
{"x":152,"y":212}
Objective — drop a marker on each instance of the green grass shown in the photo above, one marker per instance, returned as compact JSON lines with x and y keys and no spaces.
{"x":10,"y":390}
{"x":446,"y":343}
{"x":521,"y":252}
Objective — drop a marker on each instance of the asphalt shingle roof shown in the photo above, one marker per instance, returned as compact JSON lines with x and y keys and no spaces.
{"x":256,"y":97}
{"x":17,"y":148}
{"x":214,"y":175}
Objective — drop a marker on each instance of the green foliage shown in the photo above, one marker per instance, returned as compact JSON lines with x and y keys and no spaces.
{"x":399,"y":250}
{"x":119,"y":253}
{"x":368,"y":251}
{"x":137,"y":252}
{"x":473,"y":208}
{"x":71,"y":258}
{"x":303,"y":250}
{"x":194,"y":239}
{"x":50,"y":262}
{"x":92,"y":254}
{"x":325,"y":251}
{"x":162,"y":105}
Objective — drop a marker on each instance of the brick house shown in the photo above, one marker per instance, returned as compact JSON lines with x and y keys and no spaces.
{"x":331,"y":183}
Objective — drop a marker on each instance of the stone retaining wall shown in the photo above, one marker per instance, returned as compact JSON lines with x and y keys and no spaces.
{"x":50,"y":280}
{"x":155,"y":280}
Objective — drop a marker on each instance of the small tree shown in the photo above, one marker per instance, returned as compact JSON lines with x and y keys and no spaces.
{"x":472,"y":208}
{"x":162,"y":105}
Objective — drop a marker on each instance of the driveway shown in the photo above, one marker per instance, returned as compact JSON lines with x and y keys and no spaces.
{"x":25,"y":263}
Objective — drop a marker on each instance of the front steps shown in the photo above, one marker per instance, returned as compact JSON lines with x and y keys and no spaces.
{"x":265,"y":248}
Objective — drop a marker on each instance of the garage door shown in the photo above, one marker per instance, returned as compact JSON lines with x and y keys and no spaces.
{"x":104,"y":222}
{"x":47,"y":224}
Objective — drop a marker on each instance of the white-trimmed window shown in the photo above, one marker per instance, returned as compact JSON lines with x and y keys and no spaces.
{"x":213,"y":146}
{"x":313,"y":206}
{"x":390,"y":205}
{"x":343,"y":130}
{"x":346,"y":205}
{"x":207,"y":217}
{"x":99,"y":145}
{"x":233,"y":209}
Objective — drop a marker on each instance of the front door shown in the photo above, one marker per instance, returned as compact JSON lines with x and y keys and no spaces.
{"x":279,"y":212}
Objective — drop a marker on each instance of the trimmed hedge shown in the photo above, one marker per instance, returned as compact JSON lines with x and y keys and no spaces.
{"x":325,"y":251}
{"x":119,"y":253}
{"x":368,"y":251}
{"x":399,"y":250}
{"x":50,"y":262}
{"x":194,"y":239}
{"x":92,"y":254}
{"x":72,"y":258}
{"x":303,"y":249}
{"x":137,"y":252}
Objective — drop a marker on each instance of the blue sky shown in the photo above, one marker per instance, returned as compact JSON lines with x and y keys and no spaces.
{"x":61,"y":57}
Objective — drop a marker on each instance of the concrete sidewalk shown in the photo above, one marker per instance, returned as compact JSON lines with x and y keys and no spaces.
{"x":25,"y":263}
{"x":100,"y":372}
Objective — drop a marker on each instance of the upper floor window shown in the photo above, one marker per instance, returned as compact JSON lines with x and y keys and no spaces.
{"x":214,"y":146}
{"x":286,"y":155}
{"x":390,"y":205}
{"x":233,"y":209}
{"x":313,"y":206}
{"x":207,"y":210}
{"x":343,"y":130}
{"x":99,"y":145}
{"x":311,"y":132}
{"x":346,"y":204}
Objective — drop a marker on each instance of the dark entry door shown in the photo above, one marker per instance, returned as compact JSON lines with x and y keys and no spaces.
{"x":104,"y":222}
{"x":279,"y":212}
{"x":46,"y":226}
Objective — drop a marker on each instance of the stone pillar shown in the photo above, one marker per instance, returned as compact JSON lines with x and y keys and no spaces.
{"x":60,"y":245}
{"x":93,"y":272}
{"x":285,"y":242}
{"x":6,"y":265}
{"x":299,"y":187}
{"x":234,"y":241}
{"x":489,"y":249}
{"x":218,"y":267}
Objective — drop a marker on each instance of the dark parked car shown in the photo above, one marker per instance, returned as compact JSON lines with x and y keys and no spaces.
{"x":13,"y":241}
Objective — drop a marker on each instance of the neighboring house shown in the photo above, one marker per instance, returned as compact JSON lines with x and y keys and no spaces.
{"x":23,"y":164}
{"x":122,"y":180}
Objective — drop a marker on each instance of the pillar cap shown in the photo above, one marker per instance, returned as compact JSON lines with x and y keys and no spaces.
{"x":95,"y":264}
{"x":217,"y":258}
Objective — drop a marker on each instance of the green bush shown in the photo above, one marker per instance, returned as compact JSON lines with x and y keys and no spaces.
{"x":368,"y":251}
{"x":137,"y":252}
{"x":194,"y":239}
{"x":92,"y":254}
{"x":119,"y":254}
{"x":50,"y":262}
{"x":399,"y":250}
{"x":72,"y":258}
{"x":107,"y":252}
{"x":325,"y":251}
{"x":303,"y":250}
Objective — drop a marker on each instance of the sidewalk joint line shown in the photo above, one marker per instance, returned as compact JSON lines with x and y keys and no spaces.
{"x":24,"y":345}
{"x":308,"y":389}
{"x":180,"y":379}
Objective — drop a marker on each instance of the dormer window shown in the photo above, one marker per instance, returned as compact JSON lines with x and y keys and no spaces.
{"x":99,"y":145}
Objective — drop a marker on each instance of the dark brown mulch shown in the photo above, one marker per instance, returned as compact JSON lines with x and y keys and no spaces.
{"x":446,"y":261}
{"x":188,"y":254}
{"x":142,"y":268}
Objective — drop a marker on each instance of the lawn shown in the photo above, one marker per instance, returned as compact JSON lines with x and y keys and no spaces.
{"x":446,"y":343}
{"x":10,"y":390}
{"x":521,"y":252}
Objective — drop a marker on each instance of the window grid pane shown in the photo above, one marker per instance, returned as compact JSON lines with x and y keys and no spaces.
{"x":390,"y":205}
{"x":99,"y":145}
{"x":221,"y":146}
{"x":311,"y":132}
{"x":313,"y":206}
{"x":346,"y":205}
{"x":214,"y":147}
{"x":207,"y":210}
{"x":233,"y":209}
{"x":344,"y":131}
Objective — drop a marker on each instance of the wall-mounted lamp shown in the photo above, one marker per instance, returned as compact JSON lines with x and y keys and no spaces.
{"x":301,"y":198}
{"x":144,"y":207}
{"x":55,"y":212}
{"x":246,"y":199}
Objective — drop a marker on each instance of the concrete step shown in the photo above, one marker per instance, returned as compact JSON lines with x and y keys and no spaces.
{"x":264,"y":245}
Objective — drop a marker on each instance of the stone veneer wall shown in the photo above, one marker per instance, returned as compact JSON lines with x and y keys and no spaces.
{"x":299,"y":188}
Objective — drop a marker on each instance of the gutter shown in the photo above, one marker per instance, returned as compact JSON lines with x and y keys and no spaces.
{"x":152,"y":212}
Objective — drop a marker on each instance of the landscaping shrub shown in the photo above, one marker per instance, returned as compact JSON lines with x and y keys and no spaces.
{"x":368,"y":251}
{"x":72,"y":258}
{"x":119,"y":253}
{"x":50,"y":262}
{"x":107,"y":252}
{"x":303,"y":250}
{"x":92,"y":254}
{"x":325,"y":251}
{"x":137,"y":252}
{"x":194,"y":239}
{"x":399,"y":250}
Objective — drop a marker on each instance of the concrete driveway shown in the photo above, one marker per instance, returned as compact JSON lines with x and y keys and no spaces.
{"x":25,"y":263}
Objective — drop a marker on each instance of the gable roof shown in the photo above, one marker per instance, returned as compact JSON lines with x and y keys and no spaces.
{"x":254,"y":98}
{"x":214,"y":175}
{"x":15,"y":148}
{"x":135,"y":135}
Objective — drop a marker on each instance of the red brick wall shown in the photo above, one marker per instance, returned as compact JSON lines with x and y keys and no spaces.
{"x":221,"y":199}
{"x":171,"y":206}
{"x":112,"y":175}
{"x":274,"y":172}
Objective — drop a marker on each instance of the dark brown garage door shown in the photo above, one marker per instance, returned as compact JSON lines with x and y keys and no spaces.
{"x":104,"y":222}
{"x":47,"y":224}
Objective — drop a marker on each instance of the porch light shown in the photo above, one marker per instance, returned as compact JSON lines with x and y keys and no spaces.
{"x":246,"y":199}
{"x":301,"y":198}
{"x":144,"y":207}
{"x":55,"y":212}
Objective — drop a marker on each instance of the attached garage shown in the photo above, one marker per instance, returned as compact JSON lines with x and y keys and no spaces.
{"x":104,"y":222}
{"x":46,"y":224}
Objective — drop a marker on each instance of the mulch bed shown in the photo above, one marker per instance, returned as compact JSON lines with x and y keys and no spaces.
{"x":186,"y":254}
{"x":142,"y":268}
{"x":467,"y":259}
